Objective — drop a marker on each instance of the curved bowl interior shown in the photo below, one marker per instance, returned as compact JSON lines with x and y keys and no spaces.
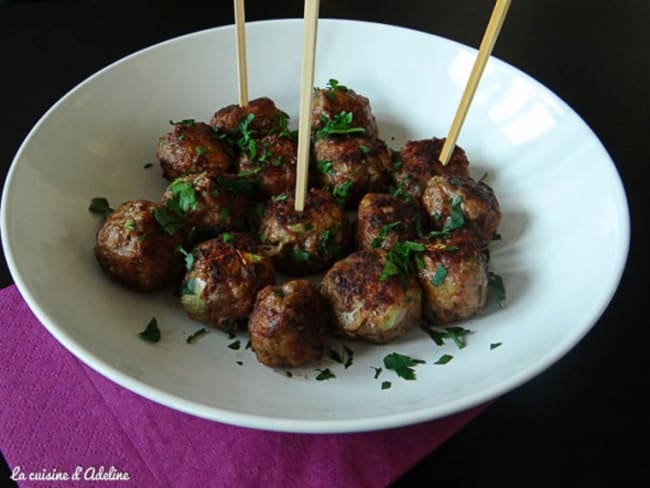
{"x":565,"y":226}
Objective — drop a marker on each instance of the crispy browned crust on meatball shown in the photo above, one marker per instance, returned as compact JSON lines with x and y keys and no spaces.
{"x":357,"y":165}
{"x":266,"y":117}
{"x":383,"y":220}
{"x":454,"y":279}
{"x":478,"y":204}
{"x":218,"y":206}
{"x":308,"y":241}
{"x":134,"y":251}
{"x":365,"y":307}
{"x":274,"y":165}
{"x":289,"y":324}
{"x":192,"y":147}
{"x":326,"y":103}
{"x":419,"y":162}
{"x":221,"y":286}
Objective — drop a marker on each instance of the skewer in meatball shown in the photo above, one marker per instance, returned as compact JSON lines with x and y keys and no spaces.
{"x":210,"y":204}
{"x":226,"y":273}
{"x":364,"y":306}
{"x":289,"y":324}
{"x":383,"y":220}
{"x":135,"y":251}
{"x":456,"y":200}
{"x":271,"y":164}
{"x":419,"y":162}
{"x":266,"y":117}
{"x":192,"y":147}
{"x":454,"y":278}
{"x":350,"y":167}
{"x":308,"y":241}
{"x":332,"y":104}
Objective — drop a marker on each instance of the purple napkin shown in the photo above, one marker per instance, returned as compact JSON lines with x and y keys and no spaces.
{"x":60,"y":418}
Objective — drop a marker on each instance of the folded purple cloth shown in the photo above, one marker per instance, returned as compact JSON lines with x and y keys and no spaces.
{"x":60,"y":418}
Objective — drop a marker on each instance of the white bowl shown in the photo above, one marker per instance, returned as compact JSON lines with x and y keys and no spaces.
{"x":565,"y":223}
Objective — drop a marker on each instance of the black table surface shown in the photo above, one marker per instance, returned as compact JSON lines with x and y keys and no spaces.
{"x":584,"y":419}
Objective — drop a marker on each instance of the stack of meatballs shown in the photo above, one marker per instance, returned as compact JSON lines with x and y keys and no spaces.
{"x":226,"y":224}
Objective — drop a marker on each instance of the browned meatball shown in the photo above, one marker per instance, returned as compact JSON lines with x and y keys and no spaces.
{"x":209,"y":203}
{"x":272,"y":164}
{"x":383,"y":219}
{"x":266,"y":117}
{"x":364,"y":306}
{"x":419,"y":162}
{"x":134,"y":250}
{"x":328,"y":103}
{"x":350,"y":167}
{"x":192,"y":147}
{"x":454,"y":279}
{"x":289,"y":324}
{"x":225,"y":276}
{"x":453,"y":200}
{"x":308,"y":241}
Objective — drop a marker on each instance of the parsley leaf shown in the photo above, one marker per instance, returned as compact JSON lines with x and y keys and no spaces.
{"x":400,"y":260}
{"x":402,"y":365}
{"x":444,"y":359}
{"x":325,"y":167}
{"x":245,"y":133}
{"x":191,"y":339}
{"x":341,"y":123}
{"x":494,"y":345}
{"x":342,"y":191}
{"x":383,"y":232}
{"x":100,"y":206}
{"x":201,"y":150}
{"x":235,"y":345}
{"x":152,"y":332}
{"x":170,"y":217}
{"x":188,"y":287}
{"x":327,"y":246}
{"x":184,"y":193}
{"x":497,"y":289}
{"x":456,"y":334}
{"x":325,"y":374}
{"x":226,"y":237}
{"x":455,"y":219}
{"x":377,"y":372}
{"x":364,"y":149}
{"x":185,"y":122}
{"x":333,"y":85}
{"x":189,"y":258}
{"x":297,"y":254}
{"x":439,"y":276}
{"x":385,"y":385}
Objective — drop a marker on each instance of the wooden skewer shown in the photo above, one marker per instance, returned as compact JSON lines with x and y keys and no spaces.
{"x":242,"y":74}
{"x":306,"y":88}
{"x":487,"y":44}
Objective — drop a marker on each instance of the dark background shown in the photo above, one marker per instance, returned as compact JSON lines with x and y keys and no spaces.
{"x":583,"y":421}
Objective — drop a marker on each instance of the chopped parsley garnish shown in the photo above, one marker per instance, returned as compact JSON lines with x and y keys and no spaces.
{"x":325,"y":167}
{"x":185,"y":194}
{"x":224,"y":213}
{"x":301,"y":227}
{"x":342,"y":190}
{"x":456,"y":334}
{"x":188,"y":287}
{"x":383,"y":232}
{"x":239,"y":363}
{"x":341,"y":124}
{"x":185,"y":122}
{"x":396,"y":159}
{"x":439,"y":275}
{"x":298,"y":254}
{"x":240,"y":184}
{"x":100,"y":206}
{"x":191,"y":339}
{"x":345,"y":357}
{"x":364,"y":149}
{"x":444,"y":359}
{"x":494,"y":345}
{"x":278,"y":292}
{"x":497,"y":289}
{"x":385,"y":385}
{"x":333,"y":85}
{"x":289,"y":374}
{"x":325,"y":374}
{"x":483,"y":178}
{"x":226,"y":237}
{"x":248,"y":345}
{"x":455,"y":219}
{"x":148,"y":165}
{"x":377,"y":372}
{"x":129,"y":225}
{"x":277,"y":162}
{"x":152,"y":332}
{"x":327,"y":246}
{"x":496,"y":237}
{"x":402,"y":365}
{"x":201,"y":150}
{"x":402,"y":260}
{"x":281,"y":197}
{"x":189,"y":258}
{"x":170,"y":217}
{"x":245,"y":134}
{"x":234,"y":345}
{"x":400,"y":191}
{"x":282,"y":127}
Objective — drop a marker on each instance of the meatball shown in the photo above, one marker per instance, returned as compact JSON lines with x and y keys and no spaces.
{"x":134,"y":250}
{"x":210,"y":204}
{"x":266,"y":117}
{"x":350,"y":167}
{"x":364,"y":306}
{"x":226,"y":273}
{"x":383,"y":219}
{"x":451,"y":201}
{"x":289,"y":324}
{"x":328,"y":104}
{"x":192,"y":147}
{"x":308,"y":241}
{"x":454,"y":278}
{"x":419,"y":162}
{"x":272,"y":164}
